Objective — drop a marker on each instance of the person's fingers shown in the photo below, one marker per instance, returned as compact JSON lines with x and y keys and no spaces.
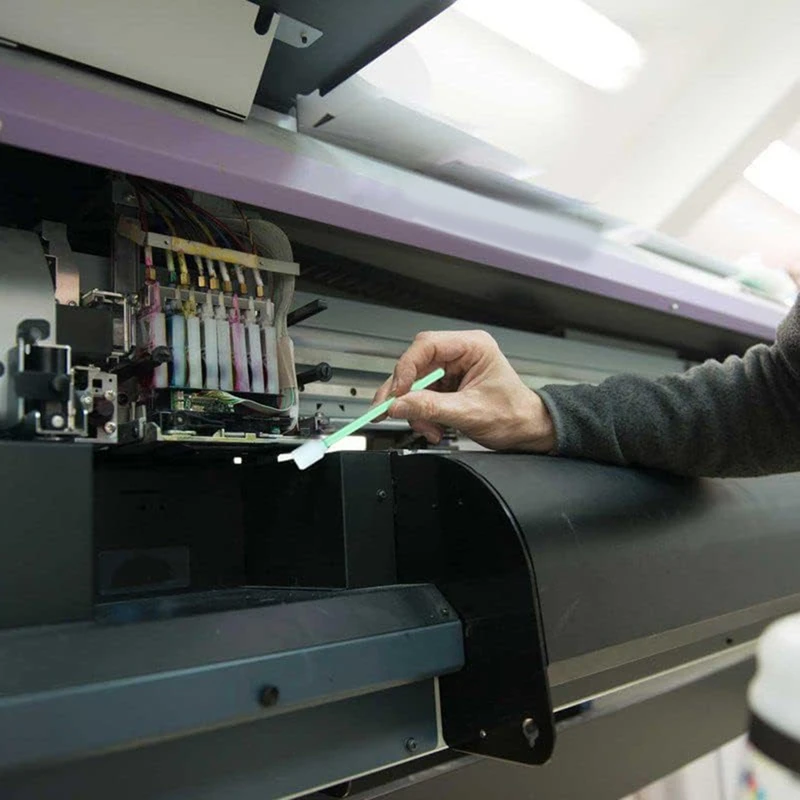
{"x":432,"y":432}
{"x":382,"y":393}
{"x":448,"y":409}
{"x":435,"y":349}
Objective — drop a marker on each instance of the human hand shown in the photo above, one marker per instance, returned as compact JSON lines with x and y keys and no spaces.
{"x":481,"y":395}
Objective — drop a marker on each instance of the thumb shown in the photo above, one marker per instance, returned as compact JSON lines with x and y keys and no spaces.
{"x":442,"y":408}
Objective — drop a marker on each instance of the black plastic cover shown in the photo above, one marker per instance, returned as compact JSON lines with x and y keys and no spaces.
{"x":623,"y":554}
{"x":354,"y":33}
{"x":453,"y":529}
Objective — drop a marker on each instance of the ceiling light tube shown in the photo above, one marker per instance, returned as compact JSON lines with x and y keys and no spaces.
{"x":776,"y":172}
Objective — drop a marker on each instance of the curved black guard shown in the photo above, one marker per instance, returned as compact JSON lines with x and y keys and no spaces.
{"x":454,"y":530}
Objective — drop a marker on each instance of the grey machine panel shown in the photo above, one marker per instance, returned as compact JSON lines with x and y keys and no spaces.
{"x":278,"y":757}
{"x":603,"y":759}
{"x":263,"y":702}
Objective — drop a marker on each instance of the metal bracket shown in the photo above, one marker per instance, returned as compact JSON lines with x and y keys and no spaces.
{"x":295,"y":33}
{"x":68,"y":281}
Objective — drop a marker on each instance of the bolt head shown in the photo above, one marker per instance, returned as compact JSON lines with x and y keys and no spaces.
{"x":110,"y":428}
{"x":530,"y":731}
{"x":110,"y":395}
{"x":411,"y":745}
{"x":87,"y":401}
{"x":382,"y":494}
{"x":57,"y":421}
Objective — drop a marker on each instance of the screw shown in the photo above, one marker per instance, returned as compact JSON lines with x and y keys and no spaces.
{"x":382,"y":494}
{"x":268,"y":696}
{"x":57,"y":421}
{"x":411,"y":745}
{"x":482,"y":733}
{"x":87,"y":402}
{"x":530,"y":731}
{"x":110,"y":395}
{"x":675,"y":306}
{"x":445,"y":612}
{"x":110,"y":428}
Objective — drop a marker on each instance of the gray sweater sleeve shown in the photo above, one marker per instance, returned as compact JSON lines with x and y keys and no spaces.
{"x":736,"y":418}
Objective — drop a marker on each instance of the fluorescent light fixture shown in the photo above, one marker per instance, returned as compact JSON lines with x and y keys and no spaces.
{"x":776,"y":172}
{"x":569,"y":34}
{"x":349,"y":443}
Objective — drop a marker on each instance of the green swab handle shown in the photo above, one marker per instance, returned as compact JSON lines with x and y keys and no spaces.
{"x":380,"y":410}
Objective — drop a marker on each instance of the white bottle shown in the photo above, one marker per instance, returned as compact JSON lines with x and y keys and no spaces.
{"x":772,"y":768}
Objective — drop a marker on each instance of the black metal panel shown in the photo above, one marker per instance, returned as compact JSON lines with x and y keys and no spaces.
{"x":355,"y":32}
{"x":148,"y":507}
{"x":623,"y":554}
{"x":454,"y":530}
{"x":46,"y":533}
{"x":329,"y":526}
{"x":88,"y":331}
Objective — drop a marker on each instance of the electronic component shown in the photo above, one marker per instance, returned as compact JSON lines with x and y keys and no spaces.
{"x":190,"y":342}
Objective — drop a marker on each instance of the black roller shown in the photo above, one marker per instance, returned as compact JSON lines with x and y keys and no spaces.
{"x":306,"y":312}
{"x":323,"y":372}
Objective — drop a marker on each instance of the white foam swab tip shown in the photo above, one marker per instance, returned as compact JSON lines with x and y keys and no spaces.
{"x":313,"y":450}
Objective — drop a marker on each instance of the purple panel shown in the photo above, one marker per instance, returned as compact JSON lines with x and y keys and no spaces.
{"x":42,"y":113}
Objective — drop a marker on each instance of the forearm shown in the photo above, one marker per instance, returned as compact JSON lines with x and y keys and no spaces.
{"x":740,"y":417}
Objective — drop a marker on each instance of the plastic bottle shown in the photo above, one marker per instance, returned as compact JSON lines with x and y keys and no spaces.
{"x":772,"y":762}
{"x":210,"y":351}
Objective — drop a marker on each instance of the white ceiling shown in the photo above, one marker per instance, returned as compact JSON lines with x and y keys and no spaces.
{"x":519,"y":102}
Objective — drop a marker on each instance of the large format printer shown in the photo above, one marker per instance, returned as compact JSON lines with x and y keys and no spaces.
{"x":181,"y":616}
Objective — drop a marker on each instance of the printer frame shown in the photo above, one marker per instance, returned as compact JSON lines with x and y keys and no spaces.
{"x":286,"y":676}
